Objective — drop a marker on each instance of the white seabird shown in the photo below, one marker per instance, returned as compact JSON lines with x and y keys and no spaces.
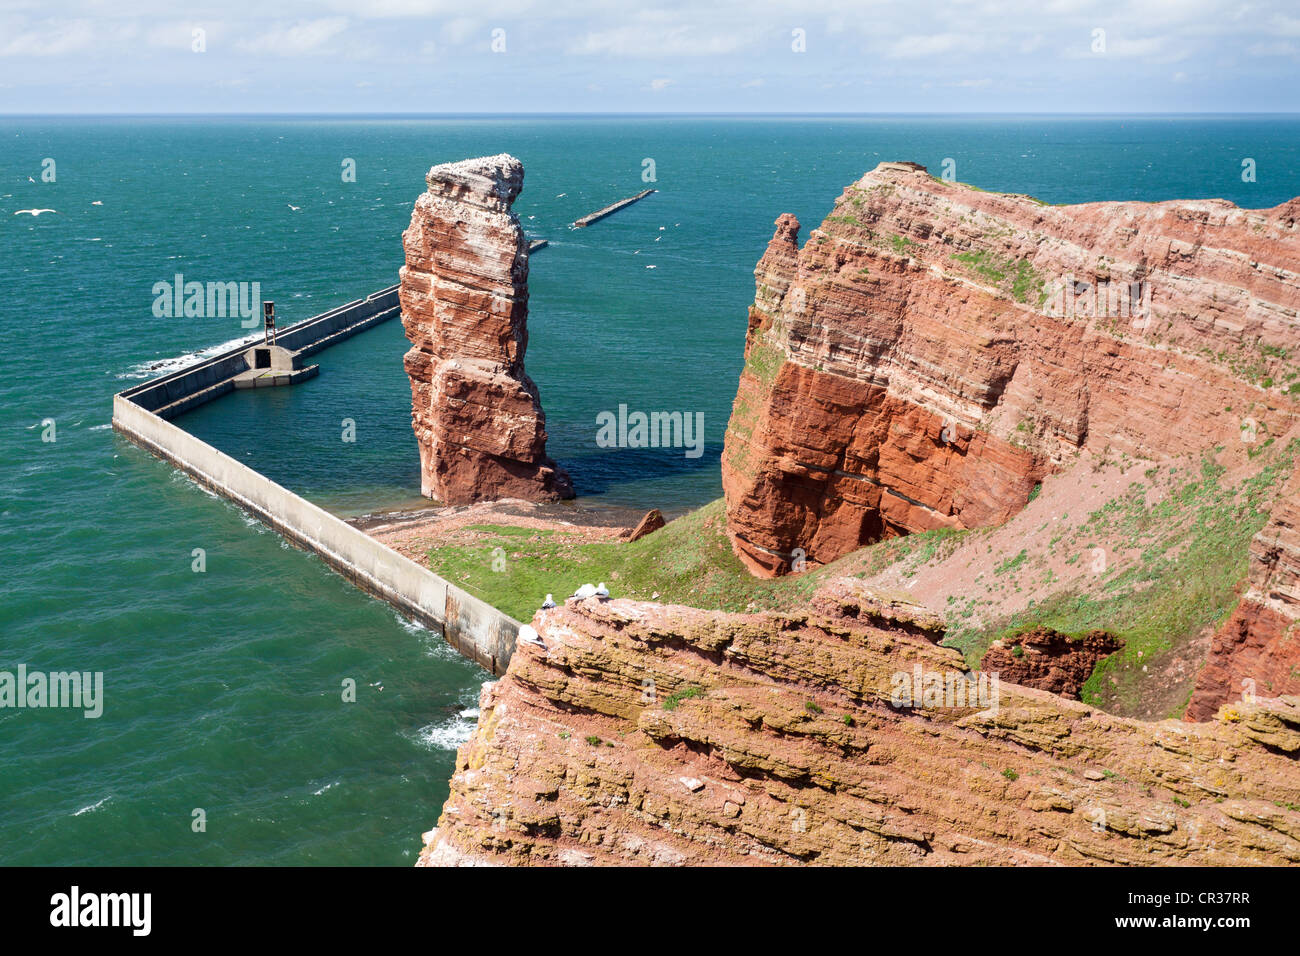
{"x":584,"y":592}
{"x":548,"y":603}
{"x":602,"y":592}
{"x":293,"y":207}
{"x":33,"y":212}
{"x":529,"y":635}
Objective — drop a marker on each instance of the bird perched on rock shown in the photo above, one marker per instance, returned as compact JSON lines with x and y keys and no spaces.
{"x":548,"y":603}
{"x":584,"y":592}
{"x":529,"y":636}
{"x":602,"y":592}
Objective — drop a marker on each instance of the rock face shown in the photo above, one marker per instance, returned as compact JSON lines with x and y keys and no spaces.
{"x":1049,"y":660}
{"x":933,"y":351}
{"x":464,"y":291}
{"x":652,"y":522}
{"x":649,"y":734}
{"x":1257,"y":652}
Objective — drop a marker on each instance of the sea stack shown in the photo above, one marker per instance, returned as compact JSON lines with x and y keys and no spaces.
{"x":476,"y":414}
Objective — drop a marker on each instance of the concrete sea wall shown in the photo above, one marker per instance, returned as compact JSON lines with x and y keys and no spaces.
{"x":171,"y":394}
{"x":473,"y":627}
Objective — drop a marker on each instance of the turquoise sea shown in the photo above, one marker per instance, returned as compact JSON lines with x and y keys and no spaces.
{"x":222,"y":688}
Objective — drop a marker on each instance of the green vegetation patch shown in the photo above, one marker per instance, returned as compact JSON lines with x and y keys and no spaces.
{"x":686,"y":693}
{"x":1193,"y":548}
{"x":765,"y":361}
{"x":1015,"y":277}
{"x":688,"y":561}
{"x":902,"y":245}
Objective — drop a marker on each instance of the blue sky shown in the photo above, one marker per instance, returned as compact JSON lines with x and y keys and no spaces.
{"x":521,"y":56}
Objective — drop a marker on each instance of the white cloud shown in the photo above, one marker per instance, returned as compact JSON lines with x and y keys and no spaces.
{"x":659,"y":85}
{"x":659,"y":35}
{"x":306,"y":37}
{"x":938,"y":44}
{"x":1273,"y":48}
{"x":53,"y":38}
{"x":460,"y":29}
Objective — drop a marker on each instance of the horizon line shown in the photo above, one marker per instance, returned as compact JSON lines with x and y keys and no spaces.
{"x":640,"y":113}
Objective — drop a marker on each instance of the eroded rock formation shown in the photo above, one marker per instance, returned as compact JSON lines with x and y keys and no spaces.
{"x":934,"y":350}
{"x":1257,"y":652}
{"x":464,"y":290}
{"x":651,"y":734}
{"x":649,"y":524}
{"x":1049,"y":660}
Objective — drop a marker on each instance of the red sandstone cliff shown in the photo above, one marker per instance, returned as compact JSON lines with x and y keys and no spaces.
{"x":1257,"y":652}
{"x":649,"y":734}
{"x":464,"y":290}
{"x":904,"y":371}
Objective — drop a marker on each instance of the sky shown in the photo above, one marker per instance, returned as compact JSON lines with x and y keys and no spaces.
{"x":548,"y":56}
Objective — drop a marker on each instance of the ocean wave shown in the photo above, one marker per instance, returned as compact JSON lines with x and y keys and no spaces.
{"x":447,"y":735}
{"x":93,"y":807}
{"x":159,"y":367}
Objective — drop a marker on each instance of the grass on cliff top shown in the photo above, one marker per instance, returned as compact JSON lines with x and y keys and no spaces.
{"x":1194,"y":551}
{"x":688,"y":561}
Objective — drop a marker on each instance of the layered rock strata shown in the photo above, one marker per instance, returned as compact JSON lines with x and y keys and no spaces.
{"x":649,"y":734}
{"x":1257,"y":651}
{"x":934,"y":350}
{"x":477,"y":416}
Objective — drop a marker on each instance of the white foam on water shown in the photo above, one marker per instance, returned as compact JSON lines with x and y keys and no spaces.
{"x":100,"y":428}
{"x":95,"y":806}
{"x":156,"y":368}
{"x":180,"y":477}
{"x":324,"y":788}
{"x":434,"y":644}
{"x":448,"y":735}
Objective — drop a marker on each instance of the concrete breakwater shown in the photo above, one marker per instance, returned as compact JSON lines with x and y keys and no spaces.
{"x":473,"y":627}
{"x":609,"y":210}
{"x":169,"y":395}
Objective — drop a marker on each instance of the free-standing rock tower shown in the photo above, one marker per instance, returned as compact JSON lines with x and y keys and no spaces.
{"x":464,"y":292}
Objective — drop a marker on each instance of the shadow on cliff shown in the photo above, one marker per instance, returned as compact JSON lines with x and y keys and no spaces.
{"x":598,"y":471}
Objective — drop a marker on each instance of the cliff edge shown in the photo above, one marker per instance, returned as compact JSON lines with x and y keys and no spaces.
{"x":652,"y":734}
{"x":933,"y":351}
